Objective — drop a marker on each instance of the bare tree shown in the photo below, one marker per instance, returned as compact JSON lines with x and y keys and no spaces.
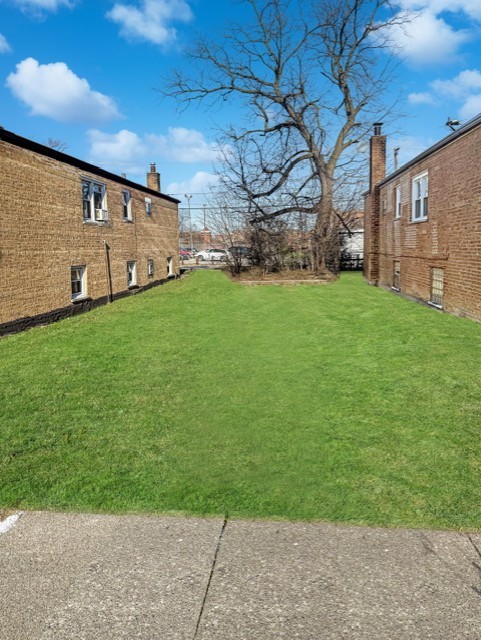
{"x":310,"y":78}
{"x":58,"y":145}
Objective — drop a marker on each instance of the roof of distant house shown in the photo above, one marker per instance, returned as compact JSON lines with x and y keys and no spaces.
{"x":25,"y":143}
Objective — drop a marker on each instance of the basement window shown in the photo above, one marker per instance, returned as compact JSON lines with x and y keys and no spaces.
{"x":170,"y":270}
{"x":420,"y":198}
{"x":131,"y":274}
{"x":94,"y":201}
{"x":78,"y":282}
{"x":396,"y":276}
{"x":437,"y":287}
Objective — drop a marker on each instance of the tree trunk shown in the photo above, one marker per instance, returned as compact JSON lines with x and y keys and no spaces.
{"x":326,"y":236}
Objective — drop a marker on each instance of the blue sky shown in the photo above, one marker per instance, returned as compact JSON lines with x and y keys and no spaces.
{"x":86,"y":72}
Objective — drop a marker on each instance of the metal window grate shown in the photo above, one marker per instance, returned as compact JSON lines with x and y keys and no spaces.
{"x":396,"y":275}
{"x":437,"y":286}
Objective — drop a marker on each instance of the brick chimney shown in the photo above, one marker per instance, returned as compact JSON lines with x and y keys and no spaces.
{"x":153,"y":178}
{"x":377,"y":171}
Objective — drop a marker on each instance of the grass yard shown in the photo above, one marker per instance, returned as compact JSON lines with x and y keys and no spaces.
{"x":339,"y":402}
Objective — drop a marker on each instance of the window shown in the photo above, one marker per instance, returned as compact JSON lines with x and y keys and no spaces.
{"x":397,"y":206}
{"x":169,"y":267}
{"x":150,"y":268}
{"x":396,"y":275}
{"x":126,"y":205}
{"x":78,"y":282}
{"x":148,"y":206}
{"x":437,"y":287}
{"x":131,"y":274}
{"x":93,"y":201}
{"x":420,"y":198}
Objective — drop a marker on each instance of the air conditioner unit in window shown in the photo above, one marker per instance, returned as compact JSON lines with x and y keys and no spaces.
{"x":101,"y":215}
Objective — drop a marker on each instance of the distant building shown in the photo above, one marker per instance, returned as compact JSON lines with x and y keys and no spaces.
{"x":423,"y":222}
{"x":73,"y":236}
{"x":352,"y":242}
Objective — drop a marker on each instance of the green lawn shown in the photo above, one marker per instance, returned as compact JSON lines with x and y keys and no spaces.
{"x":339,"y":402}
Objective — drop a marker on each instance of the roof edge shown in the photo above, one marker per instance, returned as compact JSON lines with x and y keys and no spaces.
{"x":468,"y":126}
{"x":36,"y":147}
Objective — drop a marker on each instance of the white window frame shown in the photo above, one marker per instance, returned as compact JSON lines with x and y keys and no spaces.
{"x":81,"y":280}
{"x":131,"y":273}
{"x":150,"y":267}
{"x":170,"y":267}
{"x":127,"y":205}
{"x":397,"y":202}
{"x":91,"y":189}
{"x":420,"y":195}
{"x":148,"y":206}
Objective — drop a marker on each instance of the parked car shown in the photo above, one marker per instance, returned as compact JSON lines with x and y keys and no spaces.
{"x":239,"y":251}
{"x":213,"y":254}
{"x":185,"y":254}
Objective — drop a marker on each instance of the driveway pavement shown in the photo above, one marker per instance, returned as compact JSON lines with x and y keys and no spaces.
{"x":90,"y":577}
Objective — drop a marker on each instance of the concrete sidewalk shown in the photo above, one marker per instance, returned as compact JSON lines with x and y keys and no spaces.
{"x":90,"y":577}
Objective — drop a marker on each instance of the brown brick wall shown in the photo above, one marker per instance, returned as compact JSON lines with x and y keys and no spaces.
{"x":377,"y":171}
{"x":449,"y":239}
{"x":42,"y":234}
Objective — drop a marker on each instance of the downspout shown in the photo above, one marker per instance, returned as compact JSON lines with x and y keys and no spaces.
{"x":110,"y":296}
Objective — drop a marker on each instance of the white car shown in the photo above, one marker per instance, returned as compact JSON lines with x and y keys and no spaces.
{"x":213,"y":254}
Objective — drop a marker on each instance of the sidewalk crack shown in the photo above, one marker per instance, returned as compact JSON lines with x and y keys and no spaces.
{"x":476,"y":548}
{"x":212,"y":569}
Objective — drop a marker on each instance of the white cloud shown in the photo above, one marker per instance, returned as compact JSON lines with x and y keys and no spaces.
{"x":126,"y":147}
{"x":471,"y":107}
{"x":184,"y":145}
{"x":424,"y":38}
{"x":465,"y":88}
{"x":42,"y":5}
{"x":464,"y":84}
{"x":424,"y":97}
{"x":151,"y":20}
{"x":199,"y":183}
{"x":53,"y":90}
{"x":472,"y":8}
{"x":4,"y":46}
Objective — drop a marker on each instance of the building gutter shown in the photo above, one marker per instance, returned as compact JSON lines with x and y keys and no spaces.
{"x":30,"y":145}
{"x":459,"y":133}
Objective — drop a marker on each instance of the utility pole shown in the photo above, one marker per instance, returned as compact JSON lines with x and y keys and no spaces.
{"x":204,"y":213}
{"x":188,"y":198}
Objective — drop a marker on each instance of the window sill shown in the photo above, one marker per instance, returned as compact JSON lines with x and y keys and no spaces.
{"x":128,"y":220}
{"x":83,"y":298}
{"x":436,"y":306}
{"x":418,"y":220}
{"x":395,"y":288}
{"x":98,"y":223}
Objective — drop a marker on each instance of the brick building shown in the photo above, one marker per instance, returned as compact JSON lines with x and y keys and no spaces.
{"x":423,"y":222}
{"x":73,"y":236}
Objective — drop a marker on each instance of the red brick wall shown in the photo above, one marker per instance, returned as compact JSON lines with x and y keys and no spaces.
{"x":451,"y":236}
{"x":42,"y":234}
